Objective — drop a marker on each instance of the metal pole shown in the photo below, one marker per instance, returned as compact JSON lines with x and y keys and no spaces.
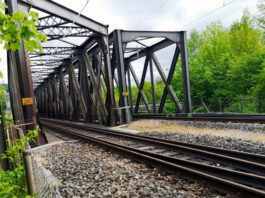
{"x":130,"y":89}
{"x":126,"y":117}
{"x":110,"y":98}
{"x":185,"y":74}
{"x":21,"y":81}
{"x":152,"y":85}
{"x":29,"y":173}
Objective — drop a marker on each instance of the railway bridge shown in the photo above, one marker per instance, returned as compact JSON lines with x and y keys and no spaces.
{"x":85,"y":77}
{"x":82,"y":66}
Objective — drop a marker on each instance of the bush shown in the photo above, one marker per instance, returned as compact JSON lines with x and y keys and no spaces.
{"x":13,"y":182}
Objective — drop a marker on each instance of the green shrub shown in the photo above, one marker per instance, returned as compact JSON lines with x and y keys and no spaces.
{"x":13,"y":182}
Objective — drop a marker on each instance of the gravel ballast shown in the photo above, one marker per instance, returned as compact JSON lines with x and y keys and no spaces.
{"x":89,"y":171}
{"x":250,"y":127}
{"x":208,"y":140}
{"x":235,"y":136}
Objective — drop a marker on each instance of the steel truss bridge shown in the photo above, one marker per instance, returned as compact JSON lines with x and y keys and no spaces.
{"x":81,"y":67}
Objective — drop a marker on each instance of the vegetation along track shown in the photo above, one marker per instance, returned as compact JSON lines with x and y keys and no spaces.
{"x":229,"y":171}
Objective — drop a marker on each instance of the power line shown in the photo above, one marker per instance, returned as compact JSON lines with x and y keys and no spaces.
{"x":150,"y":14}
{"x":215,"y":10}
{"x":71,"y":25}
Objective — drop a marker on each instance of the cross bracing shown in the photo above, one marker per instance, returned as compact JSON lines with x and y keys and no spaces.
{"x":75,"y":74}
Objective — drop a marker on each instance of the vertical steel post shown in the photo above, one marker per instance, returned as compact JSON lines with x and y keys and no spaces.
{"x":26,"y":89}
{"x":85,"y":89}
{"x":67,"y":107}
{"x":152,"y":84}
{"x":56,"y":97}
{"x":80,"y":105}
{"x":43,"y":102}
{"x":130,"y":88}
{"x":29,"y":173}
{"x":185,"y":74}
{"x":102,"y":111}
{"x":72,"y":93}
{"x":110,"y":98}
{"x":19,"y":60}
{"x":126,"y":117}
{"x":50,"y":98}
{"x":14,"y":88}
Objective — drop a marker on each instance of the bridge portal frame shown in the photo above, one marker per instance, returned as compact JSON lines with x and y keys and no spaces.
{"x":78,"y":84}
{"x":121,"y":40}
{"x":24,"y":77}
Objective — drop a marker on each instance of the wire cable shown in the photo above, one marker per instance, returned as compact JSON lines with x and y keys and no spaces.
{"x":215,"y":10}
{"x":150,"y":14}
{"x":71,"y":25}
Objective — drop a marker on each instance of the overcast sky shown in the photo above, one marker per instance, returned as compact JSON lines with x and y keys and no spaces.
{"x":161,"y":14}
{"x":158,"y":14}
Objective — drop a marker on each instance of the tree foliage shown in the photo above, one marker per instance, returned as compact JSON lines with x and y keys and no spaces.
{"x":261,"y":18}
{"x":17,"y":27}
{"x":227,"y":68}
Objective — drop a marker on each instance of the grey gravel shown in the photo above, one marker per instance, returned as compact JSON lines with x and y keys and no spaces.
{"x":256,"y":147}
{"x":250,"y":127}
{"x":88,"y":171}
{"x":216,"y":141}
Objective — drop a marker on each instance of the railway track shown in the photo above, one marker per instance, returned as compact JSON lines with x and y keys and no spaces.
{"x":213,"y":117}
{"x":233,"y":172}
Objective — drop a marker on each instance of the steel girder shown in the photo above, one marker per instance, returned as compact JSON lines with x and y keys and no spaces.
{"x":61,"y":25}
{"x":88,"y":85}
{"x":117,"y":60}
{"x":80,"y":96}
{"x":85,"y":91}
{"x":75,"y":80}
{"x":50,"y":21}
{"x":123,"y":63}
{"x":20,"y":84}
{"x":70,"y":80}
{"x":66,"y":14}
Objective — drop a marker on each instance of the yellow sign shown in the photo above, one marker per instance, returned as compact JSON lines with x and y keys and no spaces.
{"x":125,"y":94}
{"x":27,"y":101}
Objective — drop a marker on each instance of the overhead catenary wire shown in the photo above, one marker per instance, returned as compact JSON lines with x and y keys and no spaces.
{"x":71,"y":25}
{"x":208,"y":14}
{"x":150,"y":14}
{"x":190,"y":23}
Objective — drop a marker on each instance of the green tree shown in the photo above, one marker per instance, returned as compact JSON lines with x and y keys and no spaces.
{"x":244,"y":37}
{"x":246,"y":82}
{"x":209,"y":60}
{"x":261,"y":18}
{"x":226,"y":68}
{"x":248,"y":50}
{"x":14,"y":29}
{"x":17,"y":27}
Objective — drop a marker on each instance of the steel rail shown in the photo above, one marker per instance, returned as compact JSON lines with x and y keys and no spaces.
{"x":256,"y":118}
{"x":215,"y":175}
{"x":244,"y":156}
{"x":236,"y":163}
